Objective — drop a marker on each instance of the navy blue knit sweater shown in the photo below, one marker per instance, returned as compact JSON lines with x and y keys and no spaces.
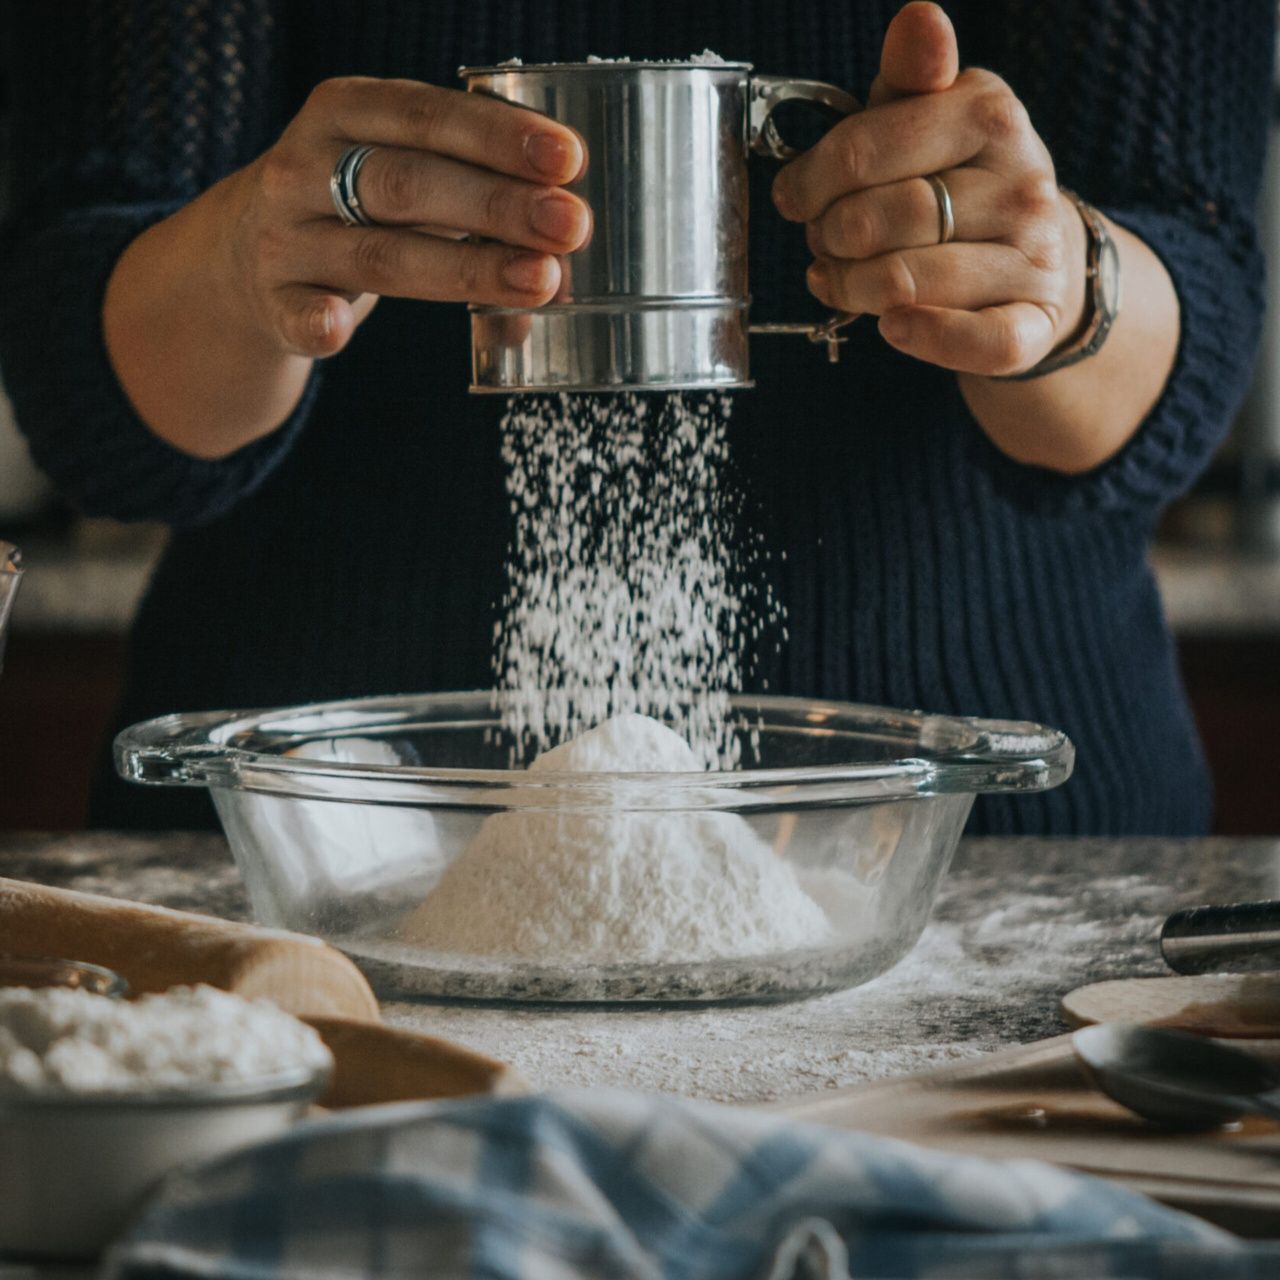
{"x":359,"y":550}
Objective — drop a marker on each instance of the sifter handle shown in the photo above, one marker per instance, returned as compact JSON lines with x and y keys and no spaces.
{"x":770,"y":92}
{"x":766,"y":95}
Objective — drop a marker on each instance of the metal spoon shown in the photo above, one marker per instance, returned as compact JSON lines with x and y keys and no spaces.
{"x":1176,"y":1079}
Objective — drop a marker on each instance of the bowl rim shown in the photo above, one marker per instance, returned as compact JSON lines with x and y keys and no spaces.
{"x":115,"y":986}
{"x":294,"y":1083}
{"x":972,"y":755}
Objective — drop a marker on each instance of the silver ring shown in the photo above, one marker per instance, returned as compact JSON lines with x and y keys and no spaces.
{"x":342,"y":185}
{"x":946,"y":211}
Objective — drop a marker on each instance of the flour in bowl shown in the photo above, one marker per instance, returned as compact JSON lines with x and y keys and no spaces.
{"x":184,"y":1038}
{"x":614,"y":885}
{"x":626,"y":743}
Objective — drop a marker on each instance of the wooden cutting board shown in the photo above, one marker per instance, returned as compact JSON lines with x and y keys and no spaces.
{"x":154,"y":948}
{"x":1035,"y":1102}
{"x":1240,"y":1006}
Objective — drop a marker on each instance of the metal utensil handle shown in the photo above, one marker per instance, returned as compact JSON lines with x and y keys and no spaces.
{"x":770,"y":92}
{"x":1243,"y":937}
{"x":10,"y":576}
{"x":766,"y":95}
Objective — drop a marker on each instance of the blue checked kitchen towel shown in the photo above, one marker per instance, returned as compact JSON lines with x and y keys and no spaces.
{"x":627,"y":1187}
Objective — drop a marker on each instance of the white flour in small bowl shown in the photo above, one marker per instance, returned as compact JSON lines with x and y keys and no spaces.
{"x":574,"y":885}
{"x":187,"y":1037}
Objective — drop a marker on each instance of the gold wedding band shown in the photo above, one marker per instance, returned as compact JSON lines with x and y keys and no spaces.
{"x":946,"y":212}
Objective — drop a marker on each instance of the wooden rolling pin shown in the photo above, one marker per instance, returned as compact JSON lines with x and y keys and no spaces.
{"x":382,"y":1064}
{"x":154,"y":948}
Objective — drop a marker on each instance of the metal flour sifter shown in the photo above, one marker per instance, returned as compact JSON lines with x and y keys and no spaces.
{"x":657,"y":299}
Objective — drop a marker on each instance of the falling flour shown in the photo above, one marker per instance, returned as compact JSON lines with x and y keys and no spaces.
{"x":610,"y":884}
{"x":633,"y":600}
{"x":630,"y":585}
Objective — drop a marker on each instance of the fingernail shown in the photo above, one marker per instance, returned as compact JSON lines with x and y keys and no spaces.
{"x":782,"y":198}
{"x":895,"y":327}
{"x":528,"y":272}
{"x":556,"y":156}
{"x":558,"y":217}
{"x":320,"y":321}
{"x":818,"y":278}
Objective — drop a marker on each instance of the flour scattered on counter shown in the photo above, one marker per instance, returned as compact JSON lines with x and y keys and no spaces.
{"x":716,"y":1061}
{"x":607,"y":884}
{"x":978,"y":978}
{"x":186,"y":1037}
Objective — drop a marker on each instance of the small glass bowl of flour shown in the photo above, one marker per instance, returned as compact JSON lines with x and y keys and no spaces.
{"x":420,"y":834}
{"x":100,"y":1098}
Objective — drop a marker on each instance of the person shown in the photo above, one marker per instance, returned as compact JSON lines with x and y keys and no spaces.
{"x":190,"y":334}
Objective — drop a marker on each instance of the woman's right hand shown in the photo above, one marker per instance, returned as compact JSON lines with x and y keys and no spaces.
{"x":214,"y":315}
{"x":446,"y":165}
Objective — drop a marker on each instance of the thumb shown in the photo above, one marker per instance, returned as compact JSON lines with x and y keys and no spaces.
{"x":919,"y":54}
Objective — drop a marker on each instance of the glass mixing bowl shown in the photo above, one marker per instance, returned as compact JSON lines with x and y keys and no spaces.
{"x":343,"y":817}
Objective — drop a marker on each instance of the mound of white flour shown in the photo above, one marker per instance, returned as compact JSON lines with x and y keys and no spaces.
{"x":627,"y":743}
{"x":187,"y":1036}
{"x":610,"y":885}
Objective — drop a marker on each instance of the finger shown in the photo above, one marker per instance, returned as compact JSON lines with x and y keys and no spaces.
{"x":907,"y":215}
{"x":501,"y":328}
{"x":993,"y":342}
{"x":405,"y":264}
{"x":313,"y":322}
{"x":903,"y":139}
{"x":445,"y":233}
{"x":920,"y":54}
{"x":406,"y":188}
{"x":511,"y":328}
{"x":948,"y":275}
{"x":564,"y":290}
{"x":473,"y":127}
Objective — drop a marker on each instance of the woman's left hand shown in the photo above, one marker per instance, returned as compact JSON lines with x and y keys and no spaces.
{"x":1010,"y":287}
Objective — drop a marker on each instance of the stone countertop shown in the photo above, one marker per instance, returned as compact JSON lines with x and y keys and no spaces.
{"x":1019,"y":923}
{"x":93,"y":579}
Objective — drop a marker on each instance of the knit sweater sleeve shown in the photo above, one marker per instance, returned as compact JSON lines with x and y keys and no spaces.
{"x":124,"y":110}
{"x":1157,"y":114}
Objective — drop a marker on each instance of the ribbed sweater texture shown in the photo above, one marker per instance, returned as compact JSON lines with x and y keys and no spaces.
{"x":360,"y":549}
